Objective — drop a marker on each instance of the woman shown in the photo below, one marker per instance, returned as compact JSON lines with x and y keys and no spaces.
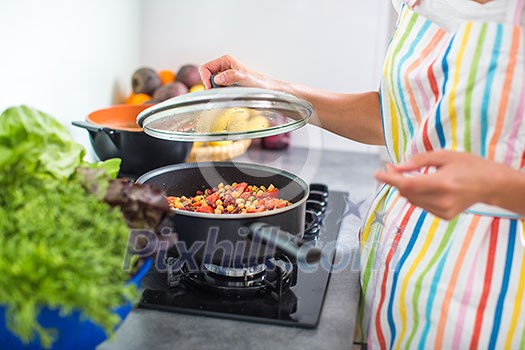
{"x":441,"y":255}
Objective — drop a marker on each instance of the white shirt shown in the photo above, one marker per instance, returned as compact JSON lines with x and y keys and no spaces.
{"x":449,"y":14}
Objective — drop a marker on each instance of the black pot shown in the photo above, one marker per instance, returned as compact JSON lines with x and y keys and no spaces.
{"x":235,"y":240}
{"x":113,"y":133}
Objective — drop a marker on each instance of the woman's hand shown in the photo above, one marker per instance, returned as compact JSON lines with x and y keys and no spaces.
{"x":460,"y":180}
{"x":230,"y":71}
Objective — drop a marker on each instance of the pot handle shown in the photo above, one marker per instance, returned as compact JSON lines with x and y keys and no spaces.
{"x":284,"y":241}
{"x":96,"y":128}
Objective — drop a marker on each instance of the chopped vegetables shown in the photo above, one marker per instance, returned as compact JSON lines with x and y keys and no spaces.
{"x":237,"y":198}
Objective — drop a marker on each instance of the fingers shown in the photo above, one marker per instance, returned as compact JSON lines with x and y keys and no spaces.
{"x":423,"y":191}
{"x":420,"y":184}
{"x":391,"y":176}
{"x":217,"y":65}
{"x":229,"y":77}
{"x":205,"y":76}
{"x":437,"y":159}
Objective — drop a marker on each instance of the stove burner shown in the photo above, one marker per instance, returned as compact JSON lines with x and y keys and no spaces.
{"x":280,"y":291}
{"x":274,"y":276}
{"x":243,"y":272}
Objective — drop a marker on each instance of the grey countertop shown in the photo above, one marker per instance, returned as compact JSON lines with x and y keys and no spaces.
{"x":342,"y":171}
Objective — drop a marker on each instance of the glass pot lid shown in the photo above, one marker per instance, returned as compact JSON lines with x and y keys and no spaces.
{"x":227,"y":113}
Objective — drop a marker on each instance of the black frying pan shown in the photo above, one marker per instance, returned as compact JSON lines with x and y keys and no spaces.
{"x":235,"y":240}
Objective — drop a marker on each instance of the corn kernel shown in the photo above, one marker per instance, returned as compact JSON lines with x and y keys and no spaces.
{"x":229,"y":208}
{"x":271,"y":187}
{"x":235,"y":194}
{"x":221,"y":185}
{"x":217,"y":211}
{"x":240,"y":206}
{"x":218,"y":202}
{"x":239,"y":200}
{"x":220,"y":207}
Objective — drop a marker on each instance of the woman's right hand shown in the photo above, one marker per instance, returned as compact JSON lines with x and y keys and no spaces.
{"x":230,"y":71}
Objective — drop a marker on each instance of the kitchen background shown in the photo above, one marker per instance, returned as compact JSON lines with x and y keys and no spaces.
{"x":69,"y":58}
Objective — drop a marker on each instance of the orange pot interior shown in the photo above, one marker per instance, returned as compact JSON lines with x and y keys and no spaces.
{"x":118,"y":117}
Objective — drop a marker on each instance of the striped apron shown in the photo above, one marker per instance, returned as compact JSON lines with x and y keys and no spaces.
{"x":427,"y":282}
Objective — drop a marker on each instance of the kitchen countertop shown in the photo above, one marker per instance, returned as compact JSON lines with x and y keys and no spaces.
{"x":342,"y":171}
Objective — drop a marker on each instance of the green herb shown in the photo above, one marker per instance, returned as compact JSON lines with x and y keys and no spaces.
{"x":60,"y":247}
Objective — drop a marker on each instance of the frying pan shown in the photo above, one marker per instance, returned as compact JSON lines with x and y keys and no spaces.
{"x":236,"y":240}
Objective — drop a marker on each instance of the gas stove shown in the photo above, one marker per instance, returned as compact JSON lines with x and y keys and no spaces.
{"x":280,"y":291}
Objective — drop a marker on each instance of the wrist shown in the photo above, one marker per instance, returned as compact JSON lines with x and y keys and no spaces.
{"x":506,"y":188}
{"x":490,"y":194}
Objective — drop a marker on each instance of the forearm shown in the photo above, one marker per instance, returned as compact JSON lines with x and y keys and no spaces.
{"x":354,"y":116}
{"x":508,"y":191}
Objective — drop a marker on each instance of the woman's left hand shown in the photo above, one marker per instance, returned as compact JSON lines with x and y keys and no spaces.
{"x":460,"y":180}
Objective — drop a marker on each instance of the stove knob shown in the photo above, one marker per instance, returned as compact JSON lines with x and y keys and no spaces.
{"x":311,"y":219}
{"x":319,"y":188}
{"x":312,"y":232}
{"x":316,"y":206}
{"x":317,"y":196}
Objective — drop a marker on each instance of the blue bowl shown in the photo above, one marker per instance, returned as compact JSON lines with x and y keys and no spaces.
{"x":74,"y":331}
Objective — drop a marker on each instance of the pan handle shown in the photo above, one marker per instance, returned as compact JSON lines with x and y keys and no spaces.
{"x":113,"y":134}
{"x":284,"y":241}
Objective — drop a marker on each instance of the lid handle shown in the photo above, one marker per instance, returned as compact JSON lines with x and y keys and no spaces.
{"x":215,"y":85}
{"x":212,"y":81}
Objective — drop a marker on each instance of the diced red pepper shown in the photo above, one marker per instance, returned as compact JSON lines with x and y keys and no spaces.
{"x":240,"y":187}
{"x":273,"y":193}
{"x":170,"y":199}
{"x":281,"y":203}
{"x":205,"y":209}
{"x":258,"y":209}
{"x":274,"y":203}
{"x":212,"y":198}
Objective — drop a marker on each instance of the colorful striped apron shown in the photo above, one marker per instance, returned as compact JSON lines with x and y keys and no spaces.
{"x":429,"y":283}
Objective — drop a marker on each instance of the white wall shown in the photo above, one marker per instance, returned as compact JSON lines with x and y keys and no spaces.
{"x":331,"y":44}
{"x":68,"y":58}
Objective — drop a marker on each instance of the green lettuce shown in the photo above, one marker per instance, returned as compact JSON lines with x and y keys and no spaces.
{"x":33,"y":142}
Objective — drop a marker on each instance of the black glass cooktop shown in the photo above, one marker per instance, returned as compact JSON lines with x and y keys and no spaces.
{"x":292,"y":295}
